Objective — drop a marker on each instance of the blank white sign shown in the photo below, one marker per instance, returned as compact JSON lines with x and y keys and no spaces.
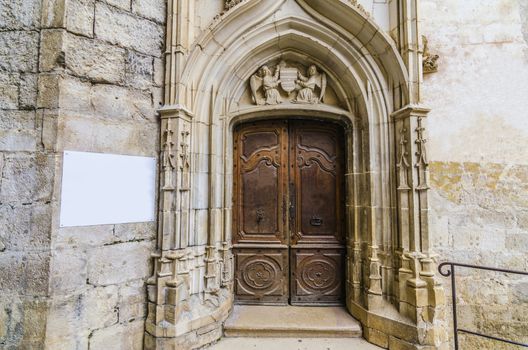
{"x":107,"y":189}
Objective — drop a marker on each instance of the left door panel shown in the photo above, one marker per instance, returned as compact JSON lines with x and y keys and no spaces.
{"x":260,"y":193}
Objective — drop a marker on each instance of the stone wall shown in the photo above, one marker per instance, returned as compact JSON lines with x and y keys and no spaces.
{"x":26,"y":178}
{"x":83,"y":75}
{"x":478,"y":129}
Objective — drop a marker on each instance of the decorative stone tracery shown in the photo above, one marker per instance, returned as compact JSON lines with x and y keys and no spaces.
{"x":245,"y":67}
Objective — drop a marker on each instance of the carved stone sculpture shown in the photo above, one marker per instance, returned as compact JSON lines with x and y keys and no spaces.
{"x":308,"y":85}
{"x":299,"y":88}
{"x":429,"y":60}
{"x":269,"y":84}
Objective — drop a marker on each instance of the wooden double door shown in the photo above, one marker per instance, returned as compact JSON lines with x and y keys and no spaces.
{"x":289,"y":213}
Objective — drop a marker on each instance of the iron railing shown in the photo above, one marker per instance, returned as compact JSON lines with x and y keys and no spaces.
{"x":448,"y":269}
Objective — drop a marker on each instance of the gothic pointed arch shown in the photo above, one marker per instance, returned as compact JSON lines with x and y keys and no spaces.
{"x":365,"y":81}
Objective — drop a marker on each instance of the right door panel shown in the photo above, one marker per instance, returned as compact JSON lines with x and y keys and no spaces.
{"x":316,"y":213}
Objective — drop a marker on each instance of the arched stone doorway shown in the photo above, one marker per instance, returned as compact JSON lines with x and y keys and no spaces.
{"x":231,"y":74}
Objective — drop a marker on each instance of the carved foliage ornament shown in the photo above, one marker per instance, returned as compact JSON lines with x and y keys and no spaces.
{"x":266,"y":86}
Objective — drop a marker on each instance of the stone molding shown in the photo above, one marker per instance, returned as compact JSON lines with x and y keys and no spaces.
{"x":391,"y":270}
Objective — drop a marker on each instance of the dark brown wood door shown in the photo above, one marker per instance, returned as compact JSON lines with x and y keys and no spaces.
{"x":288,"y":213}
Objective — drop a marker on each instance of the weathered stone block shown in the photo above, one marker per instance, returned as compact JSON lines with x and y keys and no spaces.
{"x":73,"y":317}
{"x":18,"y":14}
{"x":25,"y":273}
{"x":131,"y":260}
{"x":139,"y":70}
{"x":122,"y":4}
{"x":28,"y":91}
{"x":376,"y":337}
{"x":68,"y":271}
{"x":121,"y":103}
{"x":126,"y":336}
{"x":65,"y":327}
{"x":53,"y":13}
{"x":124,"y":29}
{"x":18,"y":140}
{"x":48,"y":91}
{"x":51,"y":49}
{"x":49,"y":122}
{"x":135,"y":231}
{"x":19,"y":51}
{"x":101,"y":307}
{"x":8,"y":90}
{"x":94,"y":59}
{"x":111,"y":136}
{"x":84,"y":236}
{"x":17,"y":119}
{"x":75,"y":95}
{"x":159,"y":71}
{"x":157,"y":97}
{"x":151,"y":9}
{"x":132,"y":301}
{"x":80,"y":17}
{"x":27,"y":179}
{"x":22,"y":322}
{"x":25,"y":227}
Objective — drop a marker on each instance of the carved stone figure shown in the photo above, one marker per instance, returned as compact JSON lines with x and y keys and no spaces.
{"x":269,"y":84}
{"x":429,"y":60}
{"x":308,"y":85}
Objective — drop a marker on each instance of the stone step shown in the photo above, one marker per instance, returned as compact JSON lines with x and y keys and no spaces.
{"x":290,"y":322}
{"x":293,"y":344}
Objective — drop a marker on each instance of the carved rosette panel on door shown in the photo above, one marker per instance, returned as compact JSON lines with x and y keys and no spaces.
{"x":288,"y":213}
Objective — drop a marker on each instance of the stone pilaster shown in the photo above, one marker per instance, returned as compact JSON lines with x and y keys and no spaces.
{"x":420,"y":294}
{"x":170,"y":286}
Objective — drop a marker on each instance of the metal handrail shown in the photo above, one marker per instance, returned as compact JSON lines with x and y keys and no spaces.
{"x":451,"y":272}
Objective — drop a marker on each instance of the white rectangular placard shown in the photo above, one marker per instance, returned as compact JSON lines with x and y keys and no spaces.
{"x":107,"y":189}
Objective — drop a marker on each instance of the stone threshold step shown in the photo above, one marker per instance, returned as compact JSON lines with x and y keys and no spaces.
{"x":291,"y":321}
{"x":292,"y":344}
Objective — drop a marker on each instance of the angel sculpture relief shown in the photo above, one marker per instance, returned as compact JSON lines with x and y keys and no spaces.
{"x":269,"y":83}
{"x":307,"y":86}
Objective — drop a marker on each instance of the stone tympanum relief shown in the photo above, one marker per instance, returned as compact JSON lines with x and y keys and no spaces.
{"x":288,"y":83}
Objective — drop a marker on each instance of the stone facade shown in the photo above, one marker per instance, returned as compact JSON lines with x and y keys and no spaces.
{"x":168,"y":79}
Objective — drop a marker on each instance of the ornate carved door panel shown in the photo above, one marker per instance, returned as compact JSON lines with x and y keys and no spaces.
{"x":260,"y":190}
{"x":316,"y":224}
{"x":288,"y":213}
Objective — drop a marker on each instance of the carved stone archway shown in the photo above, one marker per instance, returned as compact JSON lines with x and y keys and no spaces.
{"x":373,"y":87}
